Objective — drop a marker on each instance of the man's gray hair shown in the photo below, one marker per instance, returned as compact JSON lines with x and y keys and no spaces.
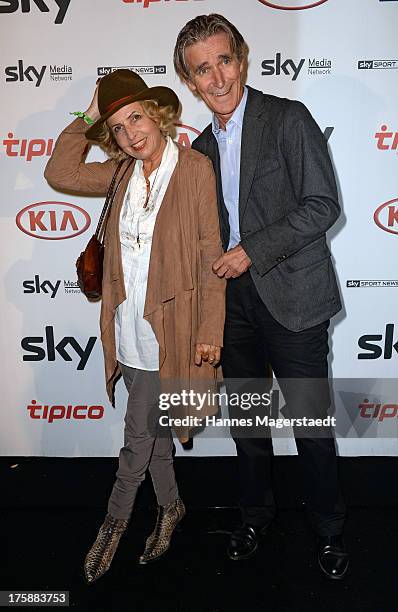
{"x":201,"y":28}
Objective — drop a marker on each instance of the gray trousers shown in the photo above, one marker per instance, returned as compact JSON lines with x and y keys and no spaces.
{"x":143,"y":447}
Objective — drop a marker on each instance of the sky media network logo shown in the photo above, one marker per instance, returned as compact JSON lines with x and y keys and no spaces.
{"x":38,"y":286}
{"x":319,"y":66}
{"x":292,"y":5}
{"x":280,"y":66}
{"x":21,"y":73}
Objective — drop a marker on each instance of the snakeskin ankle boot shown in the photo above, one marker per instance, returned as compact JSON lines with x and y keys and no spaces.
{"x":159,"y":541}
{"x":100,"y":555}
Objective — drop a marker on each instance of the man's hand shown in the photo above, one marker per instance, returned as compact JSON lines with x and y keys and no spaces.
{"x":232,"y":264}
{"x":207,"y":352}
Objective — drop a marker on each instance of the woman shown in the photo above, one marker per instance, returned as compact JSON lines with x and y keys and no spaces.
{"x":162,"y":312}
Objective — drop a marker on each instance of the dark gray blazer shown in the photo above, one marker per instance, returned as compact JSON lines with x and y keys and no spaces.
{"x":287,"y":201}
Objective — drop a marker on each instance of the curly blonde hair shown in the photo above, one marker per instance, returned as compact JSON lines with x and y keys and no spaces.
{"x":164,"y":117}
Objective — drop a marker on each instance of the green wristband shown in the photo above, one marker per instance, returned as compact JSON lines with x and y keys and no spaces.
{"x":83,"y":116}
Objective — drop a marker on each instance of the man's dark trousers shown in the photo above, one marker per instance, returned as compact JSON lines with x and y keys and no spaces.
{"x":252,"y":339}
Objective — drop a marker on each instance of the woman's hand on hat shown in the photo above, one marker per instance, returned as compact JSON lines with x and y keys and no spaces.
{"x":93,"y":111}
{"x":207,"y":352}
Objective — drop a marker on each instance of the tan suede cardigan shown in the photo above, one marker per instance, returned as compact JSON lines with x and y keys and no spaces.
{"x":185,"y":300}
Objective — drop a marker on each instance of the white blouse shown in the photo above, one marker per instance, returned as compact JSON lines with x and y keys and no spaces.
{"x":136,"y":344}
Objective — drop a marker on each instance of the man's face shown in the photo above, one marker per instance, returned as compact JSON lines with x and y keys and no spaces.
{"x":215,"y":74}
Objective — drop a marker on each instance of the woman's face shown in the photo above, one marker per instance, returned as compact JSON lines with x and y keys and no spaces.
{"x":135,"y":133}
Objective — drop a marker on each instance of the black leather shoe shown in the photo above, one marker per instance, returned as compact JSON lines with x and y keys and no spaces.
{"x":333,"y":558}
{"x":244,"y":541}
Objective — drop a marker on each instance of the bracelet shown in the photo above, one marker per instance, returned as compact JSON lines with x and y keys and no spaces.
{"x":83,"y":116}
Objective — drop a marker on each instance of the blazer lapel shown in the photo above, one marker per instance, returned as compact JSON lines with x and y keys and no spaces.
{"x":252,"y":135}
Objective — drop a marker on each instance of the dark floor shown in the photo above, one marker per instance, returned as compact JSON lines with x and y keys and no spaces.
{"x":45,"y":546}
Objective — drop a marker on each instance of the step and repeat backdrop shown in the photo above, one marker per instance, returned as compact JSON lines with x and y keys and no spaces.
{"x":339,"y":57}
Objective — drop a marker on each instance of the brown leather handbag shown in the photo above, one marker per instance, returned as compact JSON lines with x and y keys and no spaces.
{"x":89,"y":265}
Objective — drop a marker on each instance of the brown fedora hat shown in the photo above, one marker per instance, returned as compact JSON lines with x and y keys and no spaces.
{"x":122,"y":87}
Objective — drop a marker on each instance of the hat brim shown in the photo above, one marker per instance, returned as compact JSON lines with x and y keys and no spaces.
{"x":164,"y":96}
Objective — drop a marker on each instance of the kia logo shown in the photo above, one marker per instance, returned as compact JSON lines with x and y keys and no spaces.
{"x":386,"y":216}
{"x":186,"y":134}
{"x":286,"y":5}
{"x":53,"y":220}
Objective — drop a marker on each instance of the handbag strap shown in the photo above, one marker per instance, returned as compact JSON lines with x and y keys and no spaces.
{"x":103,"y":220}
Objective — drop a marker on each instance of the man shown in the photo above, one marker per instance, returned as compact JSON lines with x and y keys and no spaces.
{"x":277,"y":197}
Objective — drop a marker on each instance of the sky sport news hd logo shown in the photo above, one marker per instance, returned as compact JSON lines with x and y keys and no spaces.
{"x":371,"y":284}
{"x":378,"y":64}
{"x":142,"y":70}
